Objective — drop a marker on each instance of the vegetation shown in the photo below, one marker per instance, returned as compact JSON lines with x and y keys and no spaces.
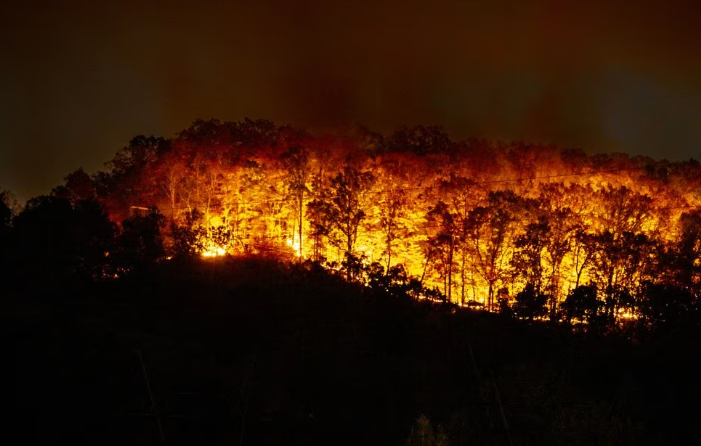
{"x":473,"y":220}
{"x":254,"y":284}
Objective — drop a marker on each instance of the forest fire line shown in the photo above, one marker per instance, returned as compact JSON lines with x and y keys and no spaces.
{"x":478,"y":222}
{"x":214,"y":251}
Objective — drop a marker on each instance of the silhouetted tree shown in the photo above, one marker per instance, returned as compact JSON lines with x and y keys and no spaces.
{"x":395,"y":282}
{"x":581,"y":304}
{"x":295,"y":161}
{"x":662,"y":305}
{"x":683,"y":258}
{"x":7,"y":213}
{"x":443,"y":244}
{"x":420,"y":140}
{"x":127,"y":182}
{"x":392,"y":206}
{"x":530,"y":303}
{"x":490,"y":230}
{"x":458,"y":197}
{"x":59,"y":240}
{"x":78,"y":186}
{"x":341,"y":212}
{"x":44,"y":236}
{"x":189,"y":238}
{"x":95,"y":240}
{"x":530,"y":246}
{"x":140,"y":244}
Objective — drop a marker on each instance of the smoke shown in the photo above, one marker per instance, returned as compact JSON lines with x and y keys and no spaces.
{"x":79,"y":78}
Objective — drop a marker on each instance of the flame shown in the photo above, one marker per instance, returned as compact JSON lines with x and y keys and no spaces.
{"x":295,"y":245}
{"x":626,"y":314}
{"x":464,"y":267}
{"x":365,"y":250}
{"x":214,"y":251}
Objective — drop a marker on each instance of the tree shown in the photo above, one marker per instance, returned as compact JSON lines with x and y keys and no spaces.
{"x":394,"y":282}
{"x":420,"y":140}
{"x":127,"y":182}
{"x":140,"y":244}
{"x":442,"y":245}
{"x":78,"y":186}
{"x":7,"y":214}
{"x":8,"y":206}
{"x":560,"y":206}
{"x":396,"y":222}
{"x":392,"y":207}
{"x":169,"y":174}
{"x":95,"y":240}
{"x":581,"y":304}
{"x":620,"y":265}
{"x":530,"y":303}
{"x":295,"y":161}
{"x":141,"y":151}
{"x":189,"y":238}
{"x":344,"y":208}
{"x":622,"y":210}
{"x":528,"y":257}
{"x":584,"y":249}
{"x":461,"y":196}
{"x":45,"y":231}
{"x":490,"y":230}
{"x":663,"y":305}
{"x":683,"y":257}
{"x":59,"y":241}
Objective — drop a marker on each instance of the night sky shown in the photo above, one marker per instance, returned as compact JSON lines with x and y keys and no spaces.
{"x":79,"y":79}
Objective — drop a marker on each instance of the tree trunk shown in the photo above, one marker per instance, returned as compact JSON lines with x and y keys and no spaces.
{"x":301,"y":208}
{"x":450,"y":271}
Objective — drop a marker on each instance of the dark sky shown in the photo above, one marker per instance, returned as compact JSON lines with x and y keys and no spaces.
{"x":78,"y":79}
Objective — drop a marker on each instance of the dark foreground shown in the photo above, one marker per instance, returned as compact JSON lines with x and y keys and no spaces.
{"x":251,"y":352}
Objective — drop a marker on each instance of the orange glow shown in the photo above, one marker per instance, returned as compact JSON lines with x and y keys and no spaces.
{"x":294,"y":245}
{"x":213,"y":251}
{"x":473,"y":226}
{"x":626,"y":314}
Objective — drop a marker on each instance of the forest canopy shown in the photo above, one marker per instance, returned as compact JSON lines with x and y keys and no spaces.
{"x":528,"y":228}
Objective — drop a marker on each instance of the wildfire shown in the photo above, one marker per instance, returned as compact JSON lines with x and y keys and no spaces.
{"x":471,"y":232}
{"x":626,"y":314}
{"x":214,"y":251}
{"x":294,"y":244}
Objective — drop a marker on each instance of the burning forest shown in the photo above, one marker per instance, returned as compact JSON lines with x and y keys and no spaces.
{"x":542,"y":232}
{"x":459,"y":222}
{"x":271,"y":282}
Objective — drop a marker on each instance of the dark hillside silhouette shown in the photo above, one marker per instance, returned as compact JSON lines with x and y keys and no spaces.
{"x":262,"y":352}
{"x":244,"y":283}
